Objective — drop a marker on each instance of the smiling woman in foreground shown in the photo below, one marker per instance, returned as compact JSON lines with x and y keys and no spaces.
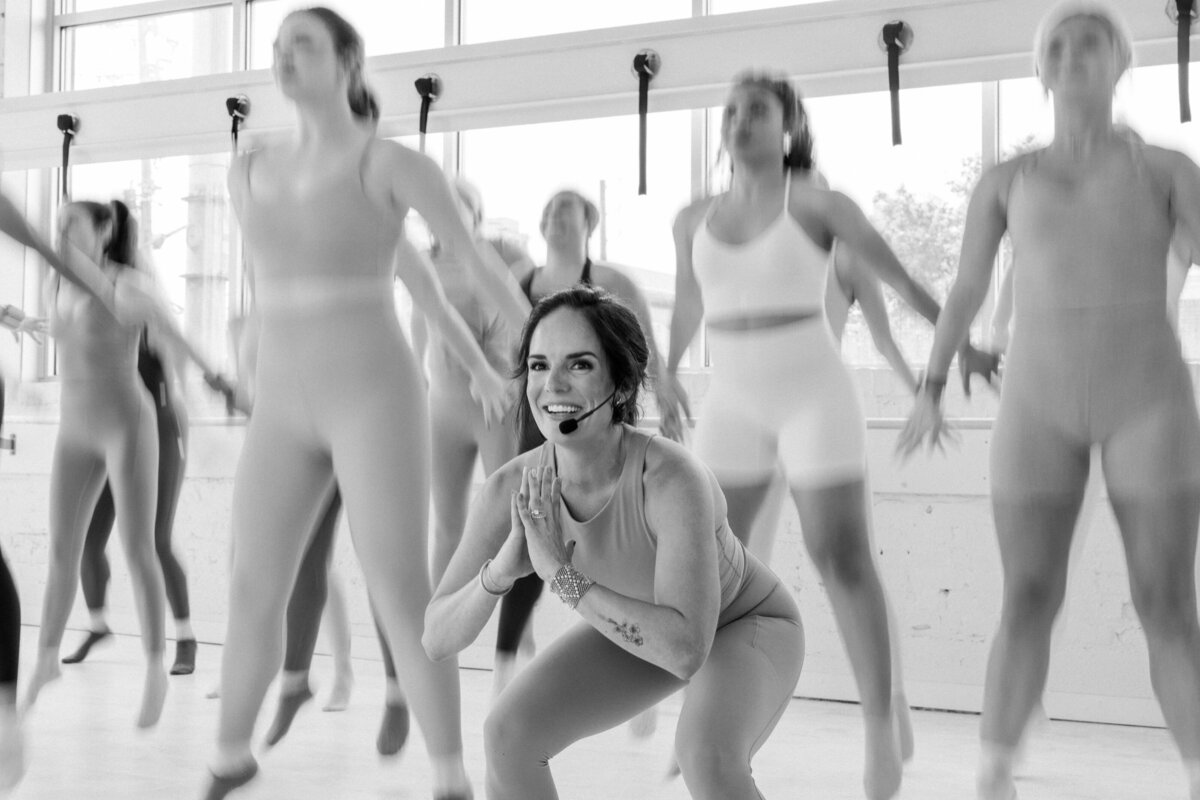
{"x":629,"y":531}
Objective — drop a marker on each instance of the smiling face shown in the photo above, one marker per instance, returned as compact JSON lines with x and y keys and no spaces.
{"x":752,"y":124}
{"x":307,"y":64}
{"x":568,"y":375}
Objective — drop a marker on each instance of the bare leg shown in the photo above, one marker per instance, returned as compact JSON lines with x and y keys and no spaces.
{"x":1159,"y":534}
{"x":837,"y":535}
{"x":1034,"y":534}
{"x":336,"y":623}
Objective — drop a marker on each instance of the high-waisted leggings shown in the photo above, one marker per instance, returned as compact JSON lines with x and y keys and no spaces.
{"x":339,"y":398}
{"x":10,"y":610}
{"x":172,"y":465}
{"x":311,"y":593}
{"x":107,"y":430}
{"x":583,"y":684}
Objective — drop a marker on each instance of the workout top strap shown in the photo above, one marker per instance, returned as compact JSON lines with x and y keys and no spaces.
{"x":585,"y":279}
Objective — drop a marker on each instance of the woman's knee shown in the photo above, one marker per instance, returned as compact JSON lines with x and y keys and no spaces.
{"x":1166,"y":609}
{"x":842,"y":554}
{"x":511,"y":739}
{"x":1032,"y":599}
{"x":711,"y":767}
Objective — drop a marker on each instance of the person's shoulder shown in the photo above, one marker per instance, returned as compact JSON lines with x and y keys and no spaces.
{"x":1164,"y":159}
{"x":669,"y":463}
{"x":498,"y":486}
{"x":689,"y":216}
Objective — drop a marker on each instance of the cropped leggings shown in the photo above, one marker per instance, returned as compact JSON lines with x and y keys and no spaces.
{"x":172,"y":465}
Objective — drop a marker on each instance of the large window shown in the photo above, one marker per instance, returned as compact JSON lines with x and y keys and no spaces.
{"x":159,"y":47}
{"x":517,"y":169}
{"x":490,"y":21}
{"x":386,"y":27}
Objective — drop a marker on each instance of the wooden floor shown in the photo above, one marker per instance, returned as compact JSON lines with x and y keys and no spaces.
{"x":82,"y":744}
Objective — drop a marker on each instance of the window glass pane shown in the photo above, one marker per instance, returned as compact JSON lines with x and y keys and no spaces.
{"x":730,"y":6}
{"x":1148,"y":102}
{"x":188,"y":236}
{"x":386,"y":27}
{"x":490,"y":21}
{"x":154,"y":48}
{"x":518,"y":168}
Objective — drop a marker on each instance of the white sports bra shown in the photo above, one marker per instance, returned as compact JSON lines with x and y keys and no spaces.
{"x":782,"y":270}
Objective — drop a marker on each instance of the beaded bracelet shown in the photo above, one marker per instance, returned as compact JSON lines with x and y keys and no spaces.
{"x":483,"y":582}
{"x":570,"y":585}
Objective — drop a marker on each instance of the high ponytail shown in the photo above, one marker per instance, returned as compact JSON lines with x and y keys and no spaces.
{"x":122,"y":247}
{"x":348,"y":45}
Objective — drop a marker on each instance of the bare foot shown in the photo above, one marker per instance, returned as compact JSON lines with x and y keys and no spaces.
{"x":45,"y":672}
{"x":154,"y":694}
{"x":884,"y":769}
{"x":339,"y":693}
{"x":12,"y":749}
{"x":904,"y":727}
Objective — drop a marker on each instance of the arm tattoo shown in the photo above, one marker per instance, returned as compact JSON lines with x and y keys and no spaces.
{"x":630,"y":632}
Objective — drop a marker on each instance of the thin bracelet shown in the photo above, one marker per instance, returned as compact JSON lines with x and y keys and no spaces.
{"x":483,"y":582}
{"x":934,"y":386}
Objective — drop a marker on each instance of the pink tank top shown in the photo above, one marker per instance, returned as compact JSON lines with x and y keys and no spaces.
{"x":617,"y":549}
{"x":782,"y":270}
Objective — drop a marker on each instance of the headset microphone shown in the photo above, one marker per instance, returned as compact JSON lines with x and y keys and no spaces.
{"x":571,"y":425}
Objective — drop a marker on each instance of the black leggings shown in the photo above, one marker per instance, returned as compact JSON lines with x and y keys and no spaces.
{"x":10,"y":611}
{"x":172,"y":462}
{"x":310,"y":593}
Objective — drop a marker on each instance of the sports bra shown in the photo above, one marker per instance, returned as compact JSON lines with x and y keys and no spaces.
{"x":329,"y":246}
{"x":585,"y":279}
{"x":617,"y":548}
{"x":781,"y":270}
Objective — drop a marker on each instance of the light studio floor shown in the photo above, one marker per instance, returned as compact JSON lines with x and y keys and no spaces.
{"x":82,"y":744}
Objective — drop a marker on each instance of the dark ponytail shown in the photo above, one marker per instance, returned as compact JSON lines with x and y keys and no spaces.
{"x":348,"y":45}
{"x":122,"y":247}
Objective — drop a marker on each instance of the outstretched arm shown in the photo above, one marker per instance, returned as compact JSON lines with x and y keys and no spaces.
{"x":985,"y":225}
{"x":685,"y":321}
{"x":848,"y":223}
{"x":417,"y":272}
{"x":869,"y":296}
{"x":417,"y":182}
